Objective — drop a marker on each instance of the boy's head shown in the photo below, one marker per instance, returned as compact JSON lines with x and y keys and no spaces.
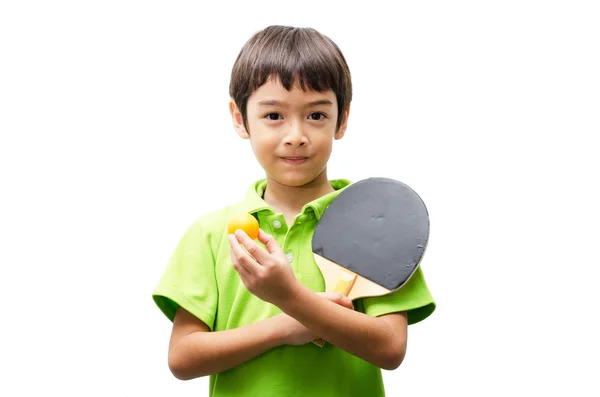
{"x":291,"y":93}
{"x":301,"y":56}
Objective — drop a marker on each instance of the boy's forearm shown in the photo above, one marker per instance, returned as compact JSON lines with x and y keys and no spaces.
{"x":370,"y":338}
{"x":206,"y":353}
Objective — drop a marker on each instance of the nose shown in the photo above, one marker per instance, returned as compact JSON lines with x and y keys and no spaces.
{"x":295,"y":135}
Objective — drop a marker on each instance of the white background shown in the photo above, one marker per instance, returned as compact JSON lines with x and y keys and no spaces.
{"x":115,"y":136}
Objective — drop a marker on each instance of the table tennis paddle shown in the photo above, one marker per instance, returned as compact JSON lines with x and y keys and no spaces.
{"x":371,"y":238}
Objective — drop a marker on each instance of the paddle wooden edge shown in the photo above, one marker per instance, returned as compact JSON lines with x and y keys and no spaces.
{"x":332,"y":273}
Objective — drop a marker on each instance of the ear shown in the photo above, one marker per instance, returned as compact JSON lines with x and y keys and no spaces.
{"x":238,"y":120}
{"x":339,"y":134}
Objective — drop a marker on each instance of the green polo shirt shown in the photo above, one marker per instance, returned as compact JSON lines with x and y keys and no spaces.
{"x":200,"y":278}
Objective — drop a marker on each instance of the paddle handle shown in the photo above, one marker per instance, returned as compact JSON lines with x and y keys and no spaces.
{"x":343,"y":286}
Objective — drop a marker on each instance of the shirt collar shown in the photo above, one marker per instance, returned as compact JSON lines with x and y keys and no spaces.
{"x":254,"y":203}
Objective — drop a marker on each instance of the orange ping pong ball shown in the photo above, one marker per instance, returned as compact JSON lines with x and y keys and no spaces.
{"x":245,"y":222}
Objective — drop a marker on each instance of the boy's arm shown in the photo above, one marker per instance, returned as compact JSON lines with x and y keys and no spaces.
{"x":268,"y":275}
{"x":378,"y":340}
{"x":195,"y":352}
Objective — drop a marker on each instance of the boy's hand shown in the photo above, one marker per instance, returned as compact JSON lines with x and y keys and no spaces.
{"x":294,"y":333}
{"x":266,"y":273}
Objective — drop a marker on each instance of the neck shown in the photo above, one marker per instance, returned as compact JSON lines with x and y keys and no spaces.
{"x":290,"y":200}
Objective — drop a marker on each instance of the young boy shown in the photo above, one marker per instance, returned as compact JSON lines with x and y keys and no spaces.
{"x":245,"y":312}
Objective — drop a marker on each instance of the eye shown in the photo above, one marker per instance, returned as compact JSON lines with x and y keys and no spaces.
{"x":273,"y":116}
{"x":317,"y":116}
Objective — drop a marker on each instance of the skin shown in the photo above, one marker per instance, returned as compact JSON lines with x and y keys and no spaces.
{"x":291,"y":134}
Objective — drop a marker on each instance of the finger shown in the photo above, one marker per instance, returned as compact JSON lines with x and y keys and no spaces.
{"x":347,"y":302}
{"x":269,"y":242}
{"x":260,"y":255}
{"x":240,"y":269}
{"x":244,"y":274}
{"x":239,"y":256}
{"x":338,"y":298}
{"x":333,"y":296}
{"x":330,"y":295}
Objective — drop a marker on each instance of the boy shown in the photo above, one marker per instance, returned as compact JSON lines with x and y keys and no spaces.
{"x":248,"y":320}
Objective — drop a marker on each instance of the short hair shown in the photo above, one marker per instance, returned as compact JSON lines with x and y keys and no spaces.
{"x":297,"y":56}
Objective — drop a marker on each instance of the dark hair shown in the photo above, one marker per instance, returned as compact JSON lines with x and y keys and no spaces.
{"x":295,"y":55}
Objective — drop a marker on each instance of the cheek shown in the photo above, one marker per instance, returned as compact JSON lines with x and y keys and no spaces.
{"x":326,"y":145}
{"x":262,"y":146}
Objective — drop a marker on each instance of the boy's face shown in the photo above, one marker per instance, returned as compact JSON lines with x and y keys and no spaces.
{"x":291,"y":132}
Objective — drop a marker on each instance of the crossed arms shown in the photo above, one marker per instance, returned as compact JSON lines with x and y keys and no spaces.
{"x":306,"y":315}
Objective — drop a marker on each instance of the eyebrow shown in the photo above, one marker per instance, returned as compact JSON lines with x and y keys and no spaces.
{"x":279,"y":103}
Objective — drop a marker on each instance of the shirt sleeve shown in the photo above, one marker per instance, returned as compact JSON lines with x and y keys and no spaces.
{"x":413,"y":297}
{"x":189,"y":278}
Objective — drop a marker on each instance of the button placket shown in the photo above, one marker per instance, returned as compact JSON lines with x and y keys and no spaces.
{"x":293,"y":253}
{"x":275,"y":225}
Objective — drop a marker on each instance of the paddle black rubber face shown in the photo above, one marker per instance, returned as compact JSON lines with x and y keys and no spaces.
{"x":377,"y":228}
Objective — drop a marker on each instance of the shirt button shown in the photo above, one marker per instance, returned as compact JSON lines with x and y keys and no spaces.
{"x":290,"y":257}
{"x":276,"y":224}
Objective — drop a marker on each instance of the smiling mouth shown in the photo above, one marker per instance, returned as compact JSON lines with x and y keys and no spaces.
{"x":294,"y":160}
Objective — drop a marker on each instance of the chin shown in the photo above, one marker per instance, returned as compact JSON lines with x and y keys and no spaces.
{"x":293,"y":182}
{"x":295,"y":179}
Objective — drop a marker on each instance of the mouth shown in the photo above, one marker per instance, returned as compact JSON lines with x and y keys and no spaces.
{"x":294,"y":160}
